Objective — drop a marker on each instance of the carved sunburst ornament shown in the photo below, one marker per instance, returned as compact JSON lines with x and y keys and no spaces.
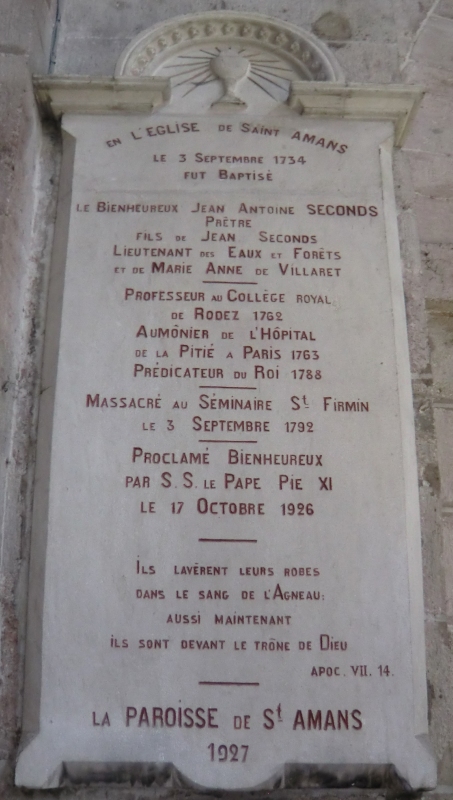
{"x":231,"y":66}
{"x":221,"y":55}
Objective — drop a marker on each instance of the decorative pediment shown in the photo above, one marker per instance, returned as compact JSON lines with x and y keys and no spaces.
{"x":228,"y":55}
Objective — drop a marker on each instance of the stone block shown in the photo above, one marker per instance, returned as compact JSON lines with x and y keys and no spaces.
{"x":86,"y":25}
{"x":432,"y":544}
{"x":111,"y":18}
{"x":409,"y":17}
{"x":444,"y":9}
{"x":435,"y":44}
{"x":97,"y":51}
{"x":444,"y":431}
{"x":429,"y":483}
{"x":434,"y":220}
{"x":294,"y":12}
{"x":369,"y":62}
{"x":431,"y":129}
{"x":402,"y":176}
{"x":27,"y":29}
{"x":432,"y":174}
{"x":45,"y":25}
{"x":413,"y":15}
{"x":77,"y":55}
{"x":438,"y":273}
{"x":447,"y":529}
{"x":413,"y":292}
{"x":19,"y":326}
{"x":440,"y":335}
{"x":431,"y":78}
{"x":440,"y":691}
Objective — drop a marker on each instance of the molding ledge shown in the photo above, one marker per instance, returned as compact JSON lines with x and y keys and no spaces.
{"x":125,"y":95}
{"x":397,"y":103}
{"x":85,"y":95}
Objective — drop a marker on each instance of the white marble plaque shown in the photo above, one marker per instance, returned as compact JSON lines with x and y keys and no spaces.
{"x":232,"y":565}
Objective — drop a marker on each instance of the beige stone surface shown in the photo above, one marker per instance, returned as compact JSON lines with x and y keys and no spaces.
{"x":432,"y":174}
{"x":433,"y":47}
{"x":413,"y":290}
{"x":26,"y":28}
{"x":431,"y":130}
{"x":25,"y":235}
{"x":434,"y":220}
{"x":99,"y":44}
{"x":444,"y":9}
{"x":90,"y":37}
{"x":438,"y":273}
{"x":430,"y":61}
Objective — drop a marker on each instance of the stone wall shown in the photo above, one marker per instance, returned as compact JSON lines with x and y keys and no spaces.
{"x":376,"y":42}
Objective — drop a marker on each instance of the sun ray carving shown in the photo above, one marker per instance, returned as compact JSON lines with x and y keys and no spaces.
{"x":231,"y":66}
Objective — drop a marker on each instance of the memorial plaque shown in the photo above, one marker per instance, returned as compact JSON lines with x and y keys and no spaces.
{"x":227,"y":518}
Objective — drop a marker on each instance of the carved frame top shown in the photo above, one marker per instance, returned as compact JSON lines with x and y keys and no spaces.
{"x":226,"y":46}
{"x":309,"y":57}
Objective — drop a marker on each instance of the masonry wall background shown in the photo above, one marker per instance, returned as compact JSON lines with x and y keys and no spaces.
{"x":375,"y":41}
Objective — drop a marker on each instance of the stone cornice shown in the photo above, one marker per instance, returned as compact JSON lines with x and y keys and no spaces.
{"x":124,"y":95}
{"x":397,"y":103}
{"x":85,"y":95}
